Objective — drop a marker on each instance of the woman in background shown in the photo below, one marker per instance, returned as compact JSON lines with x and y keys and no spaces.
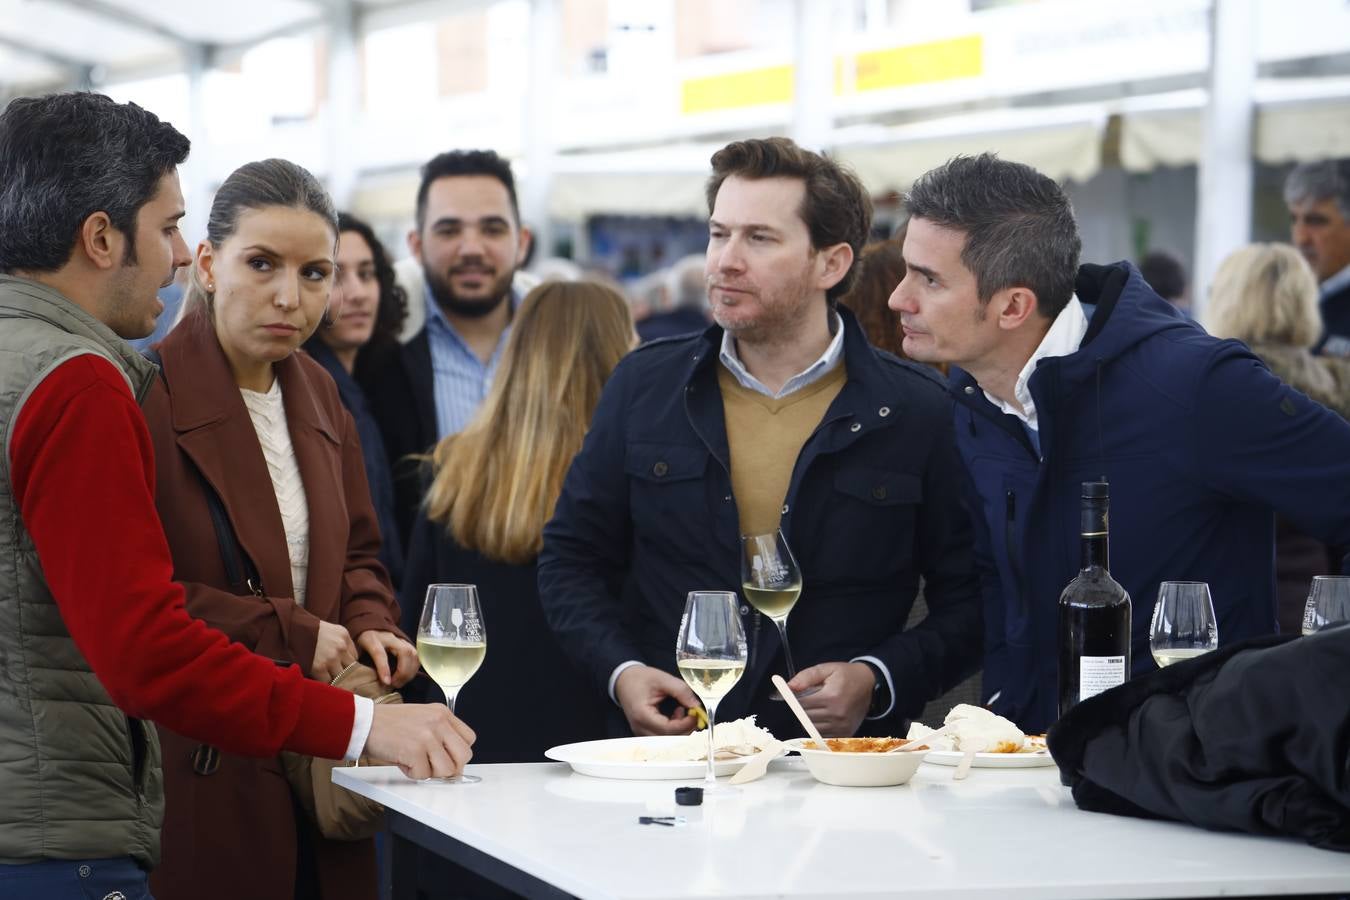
{"x":880,"y":268}
{"x":372,"y":309}
{"x":247,"y":429}
{"x":495,"y":484}
{"x":1265,"y":295}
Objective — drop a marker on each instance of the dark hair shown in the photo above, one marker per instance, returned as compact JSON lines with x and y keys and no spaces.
{"x":257,"y":185}
{"x":1323,"y":179}
{"x":835,"y":207}
{"x":64,"y":157}
{"x":458,"y":163}
{"x":1018,"y":225}
{"x":880,"y":268}
{"x":393,"y":307}
{"x":1164,"y":273}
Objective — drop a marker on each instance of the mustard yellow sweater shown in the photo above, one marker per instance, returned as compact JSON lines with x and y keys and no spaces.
{"x":765,"y":436}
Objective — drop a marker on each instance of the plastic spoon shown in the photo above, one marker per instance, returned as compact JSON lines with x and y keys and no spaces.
{"x":963,"y":767}
{"x":800,"y":713}
{"x":944,"y":730}
{"x":757,"y":765}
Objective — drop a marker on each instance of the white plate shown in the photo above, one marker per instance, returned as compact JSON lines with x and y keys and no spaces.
{"x":606,"y":759}
{"x":1028,"y":760}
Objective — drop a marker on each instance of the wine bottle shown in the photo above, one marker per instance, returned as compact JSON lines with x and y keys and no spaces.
{"x":1094,"y":612}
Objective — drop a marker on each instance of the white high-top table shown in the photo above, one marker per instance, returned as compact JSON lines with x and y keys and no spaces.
{"x":543,"y":831}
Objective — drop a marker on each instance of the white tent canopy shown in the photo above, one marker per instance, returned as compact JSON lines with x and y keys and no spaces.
{"x":1295,"y":122}
{"x":55,"y":42}
{"x":1063,"y":142}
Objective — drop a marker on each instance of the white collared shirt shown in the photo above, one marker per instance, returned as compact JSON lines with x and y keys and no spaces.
{"x":1064,"y":337}
{"x":1333,"y":284}
{"x":812,"y":373}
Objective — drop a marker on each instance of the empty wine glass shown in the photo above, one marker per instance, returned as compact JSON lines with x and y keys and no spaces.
{"x":451,"y":643}
{"x":710,"y":653}
{"x":772,"y":583}
{"x":1328,"y":603}
{"x":1183,"y":622}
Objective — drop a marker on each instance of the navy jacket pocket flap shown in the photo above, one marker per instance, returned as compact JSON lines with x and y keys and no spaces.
{"x":879,"y":487}
{"x":663,"y":462}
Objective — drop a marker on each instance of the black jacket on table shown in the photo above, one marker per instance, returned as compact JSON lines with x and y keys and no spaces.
{"x":402,"y":397}
{"x":527,"y":696}
{"x":874,"y":505}
{"x":1252,"y":737}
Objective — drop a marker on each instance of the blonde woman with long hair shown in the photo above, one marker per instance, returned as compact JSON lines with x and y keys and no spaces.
{"x":1266,"y":296}
{"x":494,"y":486}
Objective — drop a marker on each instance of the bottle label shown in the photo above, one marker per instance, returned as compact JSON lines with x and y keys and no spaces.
{"x":1099,"y":673}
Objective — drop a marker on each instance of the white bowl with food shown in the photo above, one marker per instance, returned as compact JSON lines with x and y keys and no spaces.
{"x":860,"y":762}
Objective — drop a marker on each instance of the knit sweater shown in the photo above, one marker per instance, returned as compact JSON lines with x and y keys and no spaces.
{"x":268,"y":413}
{"x":765,"y":436}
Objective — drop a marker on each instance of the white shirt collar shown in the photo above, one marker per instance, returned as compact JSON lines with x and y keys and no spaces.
{"x":812,"y":373}
{"x":1064,"y":337}
{"x":1333,"y":284}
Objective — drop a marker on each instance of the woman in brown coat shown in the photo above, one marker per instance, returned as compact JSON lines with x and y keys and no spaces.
{"x":241,"y":415}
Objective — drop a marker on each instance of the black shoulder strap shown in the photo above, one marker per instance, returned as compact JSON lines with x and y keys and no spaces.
{"x":239,"y":569}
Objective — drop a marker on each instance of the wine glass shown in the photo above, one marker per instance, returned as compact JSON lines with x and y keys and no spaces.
{"x":772,"y":583}
{"x":710,"y":653}
{"x":1328,"y":603}
{"x":1183,"y":622}
{"x":451,"y":643}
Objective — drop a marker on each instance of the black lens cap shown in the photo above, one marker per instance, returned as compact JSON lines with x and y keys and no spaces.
{"x":689,"y":796}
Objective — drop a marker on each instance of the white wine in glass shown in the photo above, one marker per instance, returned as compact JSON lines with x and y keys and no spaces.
{"x":452,"y":643}
{"x":1184,"y":625}
{"x":711,"y":677}
{"x":710,"y":653}
{"x":772,"y":583}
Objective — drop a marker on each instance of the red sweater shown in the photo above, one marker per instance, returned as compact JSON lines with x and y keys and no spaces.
{"x":83,"y":474}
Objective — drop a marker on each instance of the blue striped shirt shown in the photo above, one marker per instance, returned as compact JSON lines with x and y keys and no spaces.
{"x":461,"y":380}
{"x":810,"y":375}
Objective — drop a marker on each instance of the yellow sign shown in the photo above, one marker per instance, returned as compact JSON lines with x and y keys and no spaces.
{"x":755,"y":87}
{"x":893,"y":67}
{"x":913,"y":64}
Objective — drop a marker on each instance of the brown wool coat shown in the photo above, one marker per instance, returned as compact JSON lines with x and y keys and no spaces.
{"x":234,"y":833}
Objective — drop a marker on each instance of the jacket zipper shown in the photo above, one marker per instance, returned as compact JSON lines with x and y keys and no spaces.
{"x":1008,"y":546}
{"x":140,"y":752}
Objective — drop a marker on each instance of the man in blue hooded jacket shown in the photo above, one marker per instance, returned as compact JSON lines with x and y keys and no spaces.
{"x":1069,"y":374}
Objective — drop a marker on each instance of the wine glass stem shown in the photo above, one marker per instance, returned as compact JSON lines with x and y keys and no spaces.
{"x":451,"y":693}
{"x":711,"y":777}
{"x":787,"y":654}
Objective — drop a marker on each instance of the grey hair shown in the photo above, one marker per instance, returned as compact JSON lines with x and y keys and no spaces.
{"x":64,"y":157}
{"x":1325,"y":179}
{"x":1018,"y":225}
{"x":257,"y":185}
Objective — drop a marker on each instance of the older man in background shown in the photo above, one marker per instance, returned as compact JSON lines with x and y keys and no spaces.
{"x":1318,"y":197}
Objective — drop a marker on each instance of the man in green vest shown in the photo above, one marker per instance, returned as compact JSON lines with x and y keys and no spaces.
{"x":779,"y":417}
{"x":94,"y":634}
